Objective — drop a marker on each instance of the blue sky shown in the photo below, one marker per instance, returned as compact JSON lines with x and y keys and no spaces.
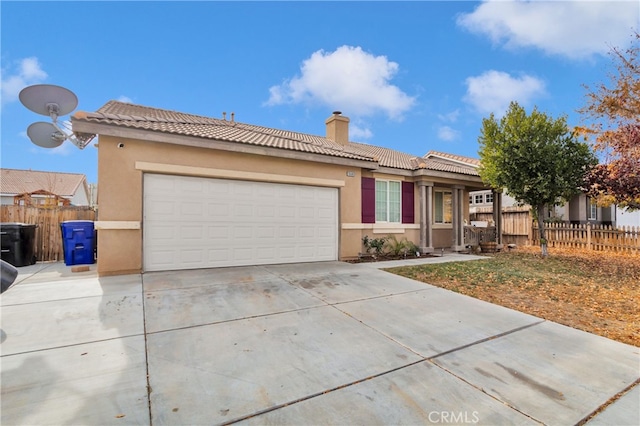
{"x":412,"y":76}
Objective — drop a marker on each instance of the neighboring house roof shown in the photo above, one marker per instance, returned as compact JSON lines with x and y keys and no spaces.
{"x":146,"y":118}
{"x":14,"y":182}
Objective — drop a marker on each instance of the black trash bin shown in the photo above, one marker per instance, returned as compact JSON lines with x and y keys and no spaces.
{"x":78,"y":240}
{"x":18,"y":243}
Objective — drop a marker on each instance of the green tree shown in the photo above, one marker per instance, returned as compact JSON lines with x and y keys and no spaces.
{"x":535,"y":158}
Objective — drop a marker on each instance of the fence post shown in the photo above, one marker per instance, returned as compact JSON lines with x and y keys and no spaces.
{"x":589,"y":236}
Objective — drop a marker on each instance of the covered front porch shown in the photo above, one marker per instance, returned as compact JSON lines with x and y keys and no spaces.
{"x":444,"y":219}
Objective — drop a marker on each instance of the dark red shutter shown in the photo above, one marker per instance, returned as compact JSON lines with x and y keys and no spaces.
{"x":368,"y":200}
{"x":407,"y":202}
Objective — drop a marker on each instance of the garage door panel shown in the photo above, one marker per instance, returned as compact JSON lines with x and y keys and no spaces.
{"x":244,"y":232}
{"x":194,"y":233}
{"x":242,"y":254}
{"x":162,"y":259}
{"x":326,"y":213}
{"x":192,"y":187}
{"x":218,"y":232}
{"x":161,"y":183}
{"x":162,"y":208}
{"x":286,"y":233}
{"x":192,"y":209}
{"x":191,"y":256}
{"x":217,"y":209}
{"x":266,"y":232}
{"x":267,"y":212}
{"x":217,"y":255}
{"x":194,"y":222}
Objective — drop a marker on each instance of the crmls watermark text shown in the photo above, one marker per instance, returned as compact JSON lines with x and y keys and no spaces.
{"x":457,"y":417}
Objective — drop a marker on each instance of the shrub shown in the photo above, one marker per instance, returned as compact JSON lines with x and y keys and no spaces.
{"x":376,"y":244}
{"x":403,"y":247}
{"x":397,"y":248}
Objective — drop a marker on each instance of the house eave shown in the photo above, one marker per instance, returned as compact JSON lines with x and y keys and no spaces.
{"x":394,"y":171}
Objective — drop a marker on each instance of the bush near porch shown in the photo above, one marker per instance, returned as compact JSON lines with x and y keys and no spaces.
{"x":597,"y":292}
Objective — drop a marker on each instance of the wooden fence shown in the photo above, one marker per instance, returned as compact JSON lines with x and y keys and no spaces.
{"x":48,"y":238}
{"x":590,"y":237}
{"x":516,"y":223}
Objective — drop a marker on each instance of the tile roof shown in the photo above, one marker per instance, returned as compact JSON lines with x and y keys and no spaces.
{"x":458,"y":158}
{"x":178,"y":123}
{"x":389,"y":157}
{"x":146,"y":118}
{"x":446,"y":162}
{"x":14,"y":181}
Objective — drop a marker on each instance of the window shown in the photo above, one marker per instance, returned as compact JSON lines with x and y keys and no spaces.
{"x":443,"y":207}
{"x":593,"y":210}
{"x":488,"y":198}
{"x":478,"y":198}
{"x":388,"y":201}
{"x":470,"y":199}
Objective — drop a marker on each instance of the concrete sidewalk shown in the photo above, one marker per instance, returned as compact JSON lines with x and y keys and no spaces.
{"x":323,"y":343}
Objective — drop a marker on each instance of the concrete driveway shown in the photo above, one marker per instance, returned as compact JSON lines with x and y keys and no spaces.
{"x":323,"y":343}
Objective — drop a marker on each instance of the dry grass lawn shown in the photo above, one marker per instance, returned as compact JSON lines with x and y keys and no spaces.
{"x":598,"y":292}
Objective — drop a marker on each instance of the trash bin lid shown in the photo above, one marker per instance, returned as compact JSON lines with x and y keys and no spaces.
{"x":16,"y":224}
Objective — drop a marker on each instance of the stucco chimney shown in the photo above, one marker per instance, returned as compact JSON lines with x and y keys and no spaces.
{"x":338,"y":128}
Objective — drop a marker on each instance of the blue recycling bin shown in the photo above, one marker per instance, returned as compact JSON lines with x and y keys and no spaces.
{"x":78,"y":241}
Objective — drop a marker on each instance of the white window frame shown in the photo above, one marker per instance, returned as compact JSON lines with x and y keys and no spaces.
{"x":385,"y":217}
{"x":593,"y":210}
{"x":488,"y":197}
{"x":435,"y":206}
{"x":478,"y":198}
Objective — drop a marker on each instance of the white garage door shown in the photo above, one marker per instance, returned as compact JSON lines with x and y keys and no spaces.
{"x":192,"y":222}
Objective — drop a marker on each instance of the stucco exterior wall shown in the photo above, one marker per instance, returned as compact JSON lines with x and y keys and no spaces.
{"x":123,"y":162}
{"x":121,"y":183}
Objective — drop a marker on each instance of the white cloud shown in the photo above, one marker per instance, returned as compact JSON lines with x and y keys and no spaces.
{"x":359,"y":133}
{"x":349,"y":80}
{"x":492,"y":91}
{"x":64,"y":150}
{"x":571,"y":28}
{"x":27,"y":72}
{"x":448,"y":134}
{"x":125,"y":99}
{"x":450,"y":117}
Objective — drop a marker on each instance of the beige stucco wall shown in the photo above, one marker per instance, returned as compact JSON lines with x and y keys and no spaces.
{"x":120,"y":198}
{"x":120,"y":179}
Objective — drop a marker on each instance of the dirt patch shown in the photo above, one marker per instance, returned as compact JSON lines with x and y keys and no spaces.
{"x":594,"y":291}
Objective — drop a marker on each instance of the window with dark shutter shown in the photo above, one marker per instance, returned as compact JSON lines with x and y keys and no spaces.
{"x":368,"y":200}
{"x":407,"y":202}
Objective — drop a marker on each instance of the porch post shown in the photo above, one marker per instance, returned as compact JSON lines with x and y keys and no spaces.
{"x":426,"y":212}
{"x":497,"y":217}
{"x":458,"y":215}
